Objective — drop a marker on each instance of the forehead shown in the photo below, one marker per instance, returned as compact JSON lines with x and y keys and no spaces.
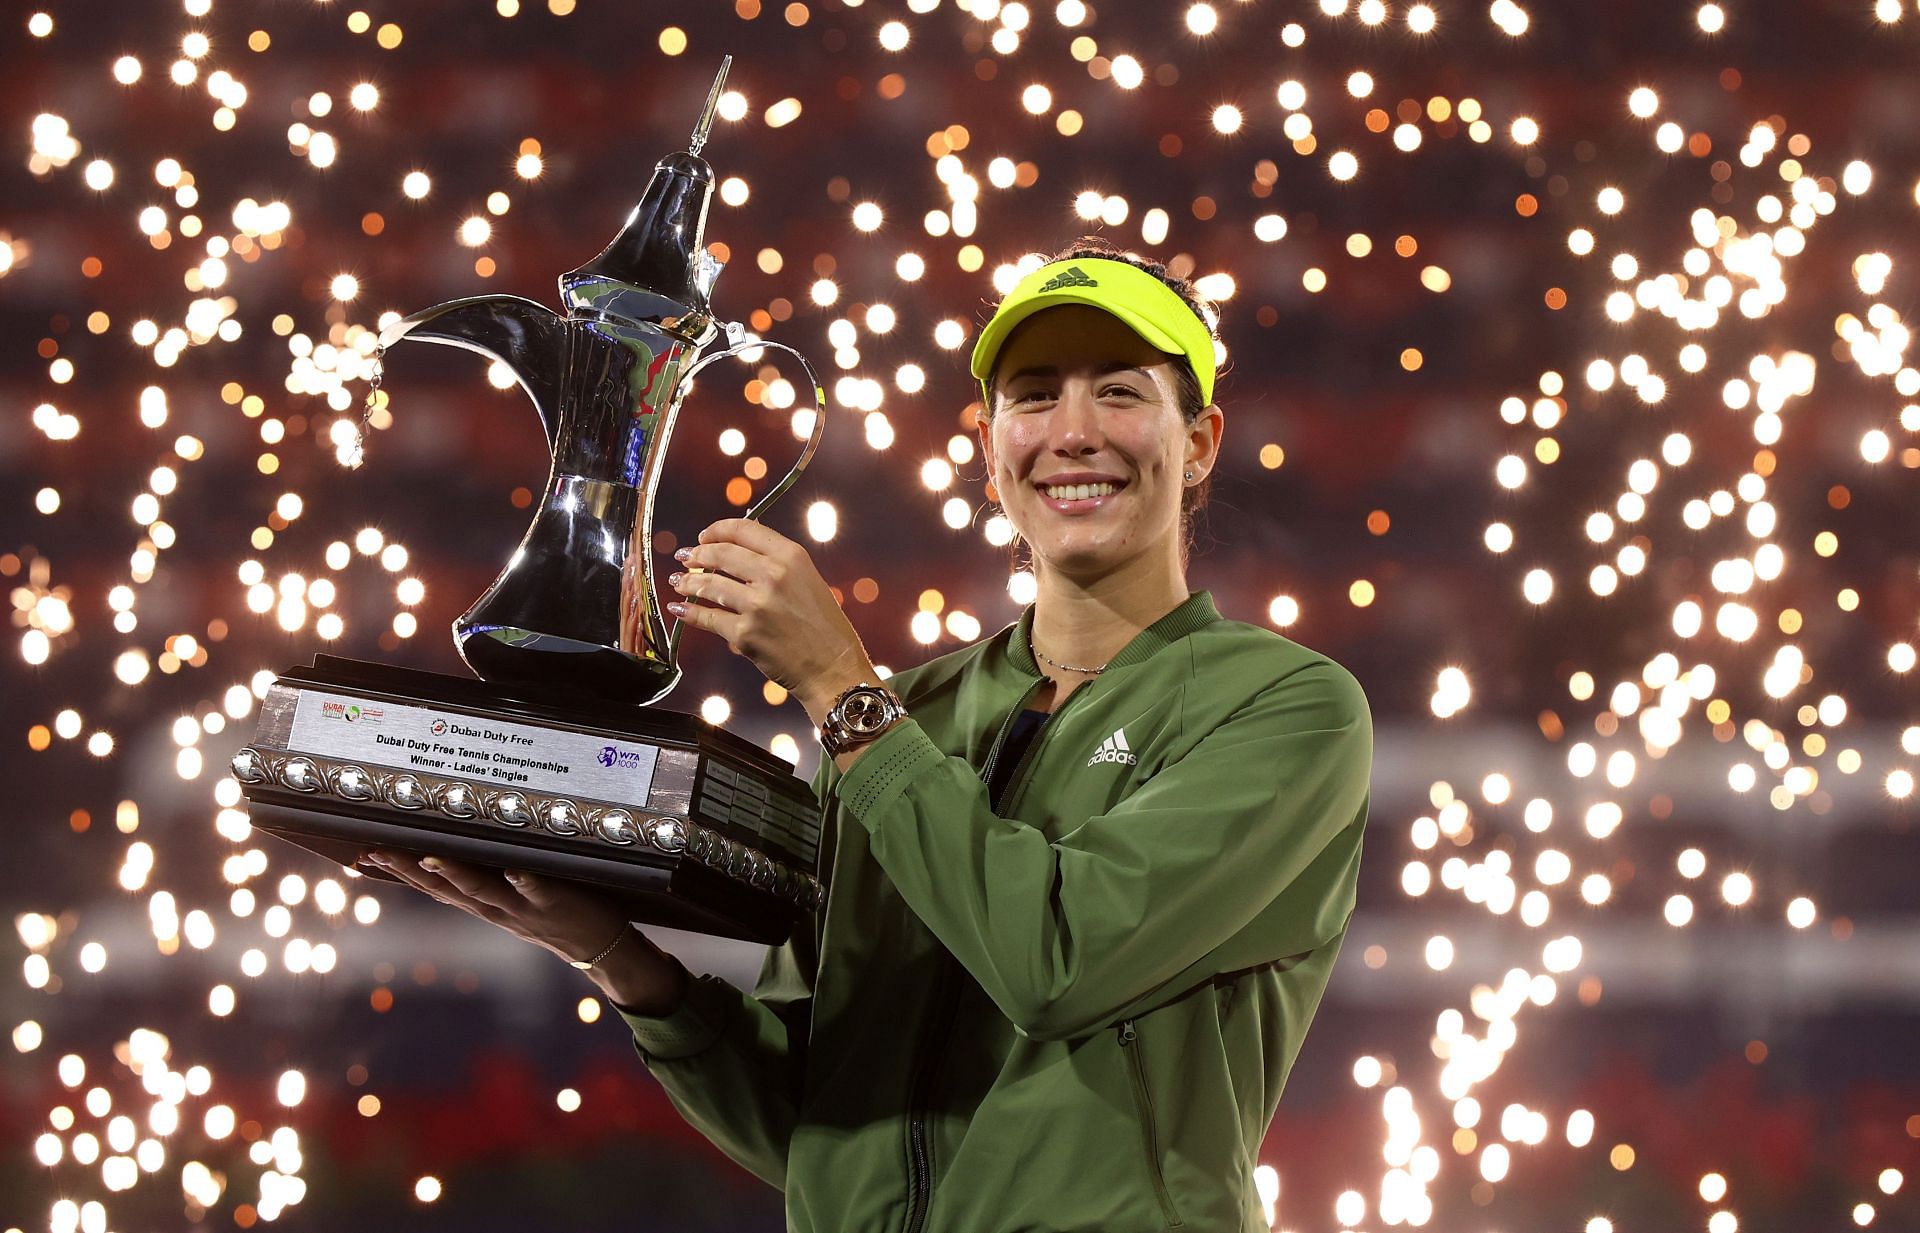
{"x":1072,"y":336}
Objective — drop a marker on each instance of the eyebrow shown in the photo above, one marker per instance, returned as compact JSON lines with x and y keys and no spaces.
{"x":1112,"y":366}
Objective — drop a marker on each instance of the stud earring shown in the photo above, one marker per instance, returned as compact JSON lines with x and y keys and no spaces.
{"x":1189,"y":477}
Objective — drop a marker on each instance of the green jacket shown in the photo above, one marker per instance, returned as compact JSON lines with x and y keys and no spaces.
{"x":1071,"y":1009}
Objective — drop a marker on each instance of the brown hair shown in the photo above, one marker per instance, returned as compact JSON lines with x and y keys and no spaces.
{"x":1186,"y":384}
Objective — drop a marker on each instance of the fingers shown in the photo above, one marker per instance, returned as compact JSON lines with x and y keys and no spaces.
{"x":406,"y":868}
{"x":546,"y":911}
{"x":414,"y":871}
{"x":713,"y":619}
{"x":406,"y":872}
{"x":728,"y":558}
{"x":755,"y":535}
{"x":475,"y":882}
{"x":541,"y":892}
{"x":716,"y":589}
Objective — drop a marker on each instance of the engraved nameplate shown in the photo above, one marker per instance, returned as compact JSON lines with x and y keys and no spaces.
{"x":567,"y":763}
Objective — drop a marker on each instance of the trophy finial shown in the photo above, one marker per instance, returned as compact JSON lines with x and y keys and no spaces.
{"x":705,"y":122}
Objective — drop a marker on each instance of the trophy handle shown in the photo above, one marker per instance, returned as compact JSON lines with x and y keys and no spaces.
{"x":774,"y":493}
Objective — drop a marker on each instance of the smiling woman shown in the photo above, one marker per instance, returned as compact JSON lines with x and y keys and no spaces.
{"x":1100,"y":436}
{"x":1189,"y":396}
{"x":1095,"y":870}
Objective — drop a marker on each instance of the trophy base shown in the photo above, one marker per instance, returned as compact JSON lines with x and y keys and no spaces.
{"x":685,"y":824}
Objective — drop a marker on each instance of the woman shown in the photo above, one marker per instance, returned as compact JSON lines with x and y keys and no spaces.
{"x":1084,"y":894}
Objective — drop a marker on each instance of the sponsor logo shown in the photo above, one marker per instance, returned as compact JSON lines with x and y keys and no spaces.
{"x":438,"y":727}
{"x":351,"y":712}
{"x":1072,"y":276}
{"x":618,"y":758}
{"x":1114,"y":749}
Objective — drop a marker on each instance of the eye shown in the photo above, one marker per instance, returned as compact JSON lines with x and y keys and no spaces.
{"x":1126,"y":390}
{"x":1030,"y":395}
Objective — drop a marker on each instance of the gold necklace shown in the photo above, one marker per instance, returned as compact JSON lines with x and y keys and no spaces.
{"x":1069,"y":667}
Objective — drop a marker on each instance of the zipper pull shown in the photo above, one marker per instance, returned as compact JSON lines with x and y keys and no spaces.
{"x":1126,"y":1032}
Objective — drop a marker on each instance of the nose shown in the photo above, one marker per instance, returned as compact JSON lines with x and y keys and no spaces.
{"x":1074,"y":427}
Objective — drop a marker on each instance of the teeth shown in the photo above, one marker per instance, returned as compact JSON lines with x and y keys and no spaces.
{"x":1079,"y":492}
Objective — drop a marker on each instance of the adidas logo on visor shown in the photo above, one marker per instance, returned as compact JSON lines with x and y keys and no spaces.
{"x":1114,"y":749}
{"x":1072,"y":276}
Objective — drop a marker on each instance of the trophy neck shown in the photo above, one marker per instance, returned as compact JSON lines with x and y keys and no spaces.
{"x":623,"y":308}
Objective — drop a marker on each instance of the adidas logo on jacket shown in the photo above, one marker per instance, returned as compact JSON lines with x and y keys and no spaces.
{"x":1114,"y":749}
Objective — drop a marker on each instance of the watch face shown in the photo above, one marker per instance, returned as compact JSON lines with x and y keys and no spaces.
{"x":865,"y":711}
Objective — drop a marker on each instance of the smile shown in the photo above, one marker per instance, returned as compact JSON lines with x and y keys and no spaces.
{"x":1078,"y":498}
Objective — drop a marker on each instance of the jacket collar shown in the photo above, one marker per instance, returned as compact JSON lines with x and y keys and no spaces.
{"x":1192,"y":613}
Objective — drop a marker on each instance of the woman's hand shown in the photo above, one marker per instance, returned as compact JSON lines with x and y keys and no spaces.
{"x":761,"y":592}
{"x":569,"y":920}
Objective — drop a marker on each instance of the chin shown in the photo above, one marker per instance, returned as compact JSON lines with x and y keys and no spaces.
{"x":1074,"y":555}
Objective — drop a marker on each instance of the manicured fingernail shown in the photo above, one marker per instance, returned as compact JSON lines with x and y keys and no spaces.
{"x":674,"y":578}
{"x":429,"y":864}
{"x":516,"y":877}
{"x":682,"y":554}
{"x":677,"y":608}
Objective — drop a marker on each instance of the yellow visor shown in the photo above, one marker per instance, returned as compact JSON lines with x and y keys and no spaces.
{"x":1149,"y":307}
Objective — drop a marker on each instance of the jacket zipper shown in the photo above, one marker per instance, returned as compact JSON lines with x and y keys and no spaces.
{"x":933,"y":1039}
{"x":1143,"y":1100}
{"x":933,"y":1032}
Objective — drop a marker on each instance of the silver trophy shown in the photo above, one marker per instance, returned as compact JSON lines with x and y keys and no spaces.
{"x":555,"y":761}
{"x":576,"y":606}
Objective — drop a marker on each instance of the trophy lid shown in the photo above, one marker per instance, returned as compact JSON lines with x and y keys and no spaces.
{"x":657,"y":270}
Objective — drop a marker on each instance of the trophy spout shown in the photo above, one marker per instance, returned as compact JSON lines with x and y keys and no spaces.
{"x":525,"y":335}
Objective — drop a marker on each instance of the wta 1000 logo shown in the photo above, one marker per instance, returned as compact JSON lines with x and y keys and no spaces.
{"x":619,"y":759}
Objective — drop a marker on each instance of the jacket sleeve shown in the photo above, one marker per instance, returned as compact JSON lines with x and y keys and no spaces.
{"x":1244,"y":850}
{"x":733,"y":1063}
